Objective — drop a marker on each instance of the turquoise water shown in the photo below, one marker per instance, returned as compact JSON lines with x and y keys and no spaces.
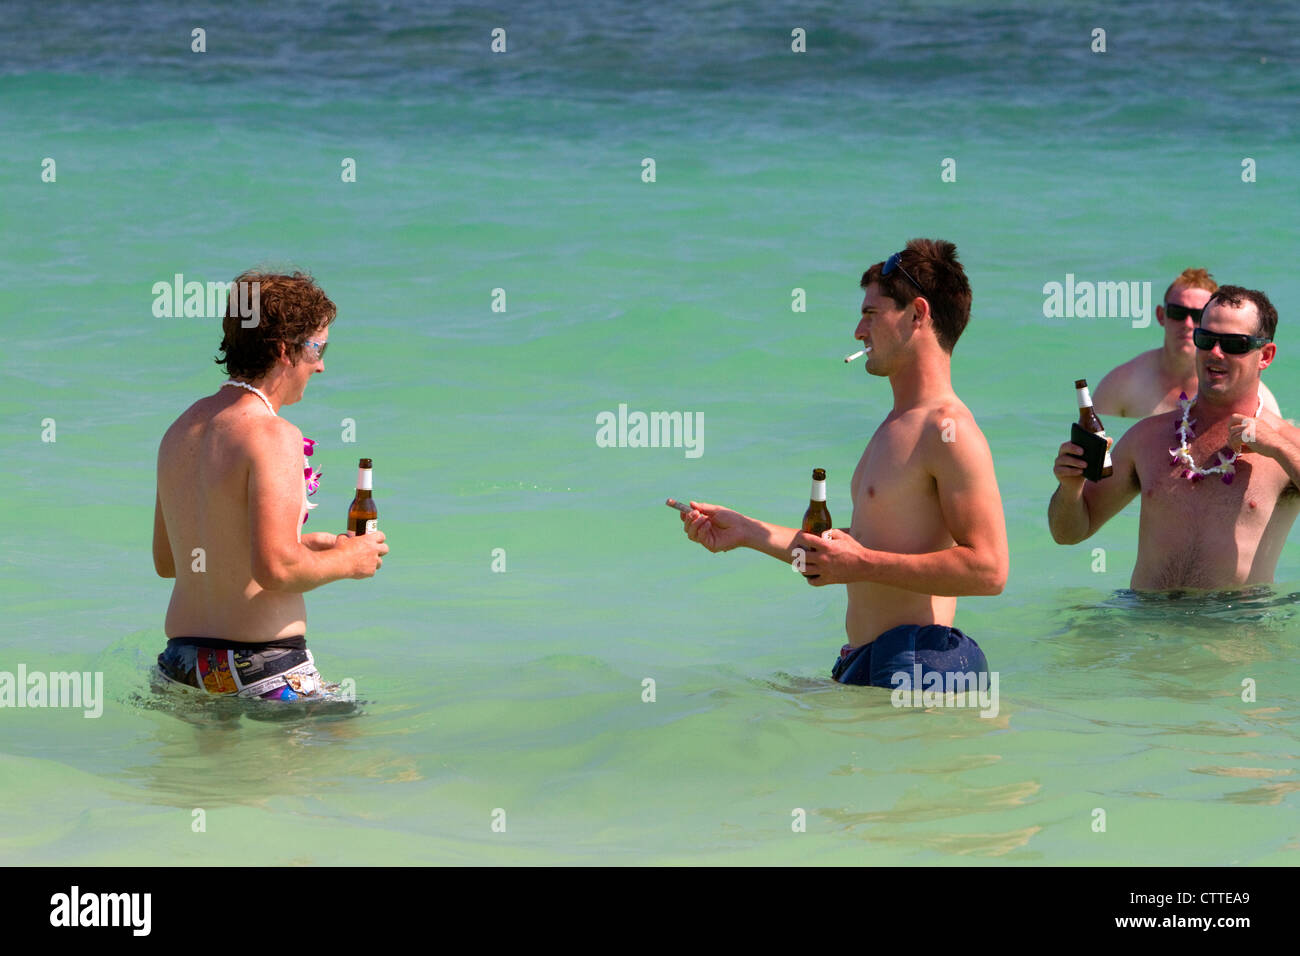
{"x":522,"y":691}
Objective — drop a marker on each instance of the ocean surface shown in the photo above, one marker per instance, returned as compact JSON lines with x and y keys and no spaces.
{"x":505,"y":716}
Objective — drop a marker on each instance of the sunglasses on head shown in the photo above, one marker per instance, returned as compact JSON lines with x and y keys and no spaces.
{"x":896,"y":262}
{"x":1232,"y":343}
{"x":1180,"y":312}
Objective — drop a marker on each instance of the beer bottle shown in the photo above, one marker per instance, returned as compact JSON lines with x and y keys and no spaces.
{"x":1089,"y":421}
{"x":363,"y":516}
{"x":817,"y":519}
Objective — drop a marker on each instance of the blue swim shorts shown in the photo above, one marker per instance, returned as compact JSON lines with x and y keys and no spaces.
{"x":933,"y":647}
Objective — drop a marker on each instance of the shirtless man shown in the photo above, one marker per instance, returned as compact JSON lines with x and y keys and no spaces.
{"x":927,"y":516}
{"x":1151,"y":383}
{"x":230,"y":481}
{"x":1217,"y":529}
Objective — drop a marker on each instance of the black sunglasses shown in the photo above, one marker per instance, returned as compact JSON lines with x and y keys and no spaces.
{"x":1180,"y":312}
{"x":1232,"y":343}
{"x":896,"y":262}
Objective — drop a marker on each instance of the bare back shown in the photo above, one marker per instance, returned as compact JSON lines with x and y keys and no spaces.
{"x":204,"y":465}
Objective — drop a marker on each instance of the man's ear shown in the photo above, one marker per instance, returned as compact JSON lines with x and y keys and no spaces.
{"x":1266,"y":356}
{"x":1160,"y":315}
{"x":922,"y":307}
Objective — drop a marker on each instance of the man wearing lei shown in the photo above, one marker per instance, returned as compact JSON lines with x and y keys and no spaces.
{"x":231,"y":501}
{"x":1219,"y":477}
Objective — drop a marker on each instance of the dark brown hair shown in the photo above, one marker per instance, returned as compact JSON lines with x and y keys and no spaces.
{"x":1234,"y":295}
{"x":287,"y":308}
{"x":932,"y":263}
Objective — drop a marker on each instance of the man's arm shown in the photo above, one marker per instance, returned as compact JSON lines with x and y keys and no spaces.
{"x":319,"y":540}
{"x":1280,"y":441}
{"x":971,"y":506}
{"x":280,"y":562}
{"x":721,"y":529}
{"x":1079,"y":507}
{"x":163,"y":562}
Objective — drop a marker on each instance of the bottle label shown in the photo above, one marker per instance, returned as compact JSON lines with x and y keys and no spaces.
{"x":819,"y":491}
{"x":365,"y":479}
{"x":1085,"y":399}
{"x":1109,"y":441}
{"x":372,"y":524}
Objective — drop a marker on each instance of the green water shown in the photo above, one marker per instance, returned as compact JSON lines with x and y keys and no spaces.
{"x":523,"y":691}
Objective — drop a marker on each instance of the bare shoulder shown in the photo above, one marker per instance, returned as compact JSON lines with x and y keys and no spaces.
{"x":952,"y":434}
{"x":1146,"y":430}
{"x":274,"y":436}
{"x":1114,"y":393}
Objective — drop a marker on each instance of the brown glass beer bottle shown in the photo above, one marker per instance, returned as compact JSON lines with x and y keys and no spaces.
{"x":363,"y":516}
{"x":1089,"y":421}
{"x":817,"y":518}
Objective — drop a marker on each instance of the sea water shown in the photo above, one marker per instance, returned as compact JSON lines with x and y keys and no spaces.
{"x":550,"y":672}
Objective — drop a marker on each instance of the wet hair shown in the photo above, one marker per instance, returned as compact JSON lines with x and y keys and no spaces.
{"x":288,"y":309}
{"x":1192,"y":279}
{"x":933,"y":263}
{"x":1234,"y":296}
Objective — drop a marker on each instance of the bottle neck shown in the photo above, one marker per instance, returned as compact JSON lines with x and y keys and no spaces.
{"x":819,"y":491}
{"x":365,"y":479}
{"x":1085,"y":399}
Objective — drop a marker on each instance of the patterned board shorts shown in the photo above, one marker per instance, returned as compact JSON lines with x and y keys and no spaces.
{"x":282,"y":669}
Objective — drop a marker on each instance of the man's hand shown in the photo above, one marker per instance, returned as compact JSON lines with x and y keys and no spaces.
{"x":714,"y":527}
{"x":1247,"y":434}
{"x":367,"y":551}
{"x":836,"y":559}
{"x":1068,"y":468}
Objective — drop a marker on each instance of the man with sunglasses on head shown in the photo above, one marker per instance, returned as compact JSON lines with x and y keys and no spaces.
{"x":927,"y":520}
{"x":231,"y":482}
{"x":1152,"y":382}
{"x":1219,"y":476}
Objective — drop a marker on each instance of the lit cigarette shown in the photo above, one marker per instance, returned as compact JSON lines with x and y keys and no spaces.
{"x":674,"y":503}
{"x":850,"y":358}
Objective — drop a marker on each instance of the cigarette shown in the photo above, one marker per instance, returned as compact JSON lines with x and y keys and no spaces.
{"x":674,"y":503}
{"x":850,"y":358}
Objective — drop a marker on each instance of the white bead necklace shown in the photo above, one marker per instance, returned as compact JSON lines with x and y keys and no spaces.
{"x":1183,"y":454}
{"x":256,"y":391}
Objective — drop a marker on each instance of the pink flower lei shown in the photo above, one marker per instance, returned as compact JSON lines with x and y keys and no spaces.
{"x":312,"y":478}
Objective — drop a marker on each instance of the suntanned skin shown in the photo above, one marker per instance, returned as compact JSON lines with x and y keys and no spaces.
{"x":1151,"y":383}
{"x":927,"y":515}
{"x":230,"y":481}
{"x":1202,"y":535}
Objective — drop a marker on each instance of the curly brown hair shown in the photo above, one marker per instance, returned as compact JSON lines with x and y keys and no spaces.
{"x":287,"y":309}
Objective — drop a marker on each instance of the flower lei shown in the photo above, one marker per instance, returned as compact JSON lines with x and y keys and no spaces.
{"x":311,"y":477}
{"x":1183,"y":455}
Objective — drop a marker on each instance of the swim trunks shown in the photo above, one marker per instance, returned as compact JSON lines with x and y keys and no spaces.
{"x":932,"y":647}
{"x":282,"y":669}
